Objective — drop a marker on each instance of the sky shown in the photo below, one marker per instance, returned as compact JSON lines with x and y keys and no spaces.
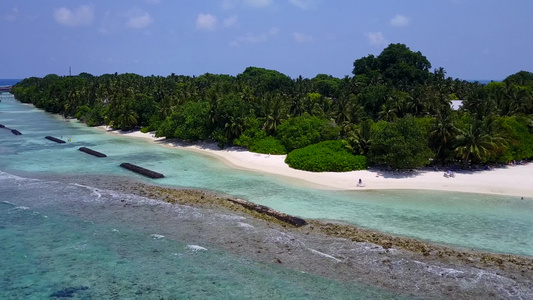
{"x":470,"y":39}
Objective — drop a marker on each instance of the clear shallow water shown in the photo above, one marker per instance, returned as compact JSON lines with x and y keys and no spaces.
{"x":486,"y":222}
{"x":71,"y":240}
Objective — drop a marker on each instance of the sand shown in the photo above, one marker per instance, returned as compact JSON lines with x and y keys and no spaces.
{"x":509,"y":180}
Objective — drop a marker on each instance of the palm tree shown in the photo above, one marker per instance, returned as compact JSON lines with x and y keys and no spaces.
{"x":233,"y":128}
{"x":442,"y":131}
{"x":127,"y":118}
{"x":416,"y":104}
{"x":296,"y":107}
{"x":476,"y":143}
{"x":341,"y":110}
{"x":359,"y":141}
{"x":388,"y":112}
{"x":274,"y":112}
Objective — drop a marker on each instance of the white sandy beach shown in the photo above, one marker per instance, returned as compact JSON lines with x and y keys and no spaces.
{"x":510,"y":180}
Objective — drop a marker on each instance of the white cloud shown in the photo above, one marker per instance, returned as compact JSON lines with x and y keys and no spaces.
{"x":399,"y":21}
{"x":255,"y":39}
{"x":303,"y":4}
{"x":376,"y":39}
{"x":231,"y":21}
{"x":206,"y":22}
{"x":138,"y":19}
{"x":258,"y":3}
{"x":82,"y":15}
{"x":302,"y":38}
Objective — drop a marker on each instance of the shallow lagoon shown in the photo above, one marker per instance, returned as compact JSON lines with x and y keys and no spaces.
{"x":67,"y":239}
{"x":484,"y":222}
{"x":72,"y":242}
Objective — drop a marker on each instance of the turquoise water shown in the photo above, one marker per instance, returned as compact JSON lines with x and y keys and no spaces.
{"x":73,"y":241}
{"x":485,"y":222}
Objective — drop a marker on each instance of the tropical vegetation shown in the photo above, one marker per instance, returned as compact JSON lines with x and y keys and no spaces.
{"x":395,"y":111}
{"x":332,"y":156}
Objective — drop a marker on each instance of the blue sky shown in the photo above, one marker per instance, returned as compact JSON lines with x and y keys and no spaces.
{"x":470,"y":39}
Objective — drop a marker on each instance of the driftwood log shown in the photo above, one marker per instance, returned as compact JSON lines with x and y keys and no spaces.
{"x":53,"y":139}
{"x":269,"y":211}
{"x":92,"y":152}
{"x":141,"y":170}
{"x":16,"y":132}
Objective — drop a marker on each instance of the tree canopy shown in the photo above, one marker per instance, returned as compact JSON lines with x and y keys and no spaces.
{"x":395,"y":110}
{"x":397,"y":66}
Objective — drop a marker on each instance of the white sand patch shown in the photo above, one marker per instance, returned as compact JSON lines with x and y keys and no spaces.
{"x":510,"y":180}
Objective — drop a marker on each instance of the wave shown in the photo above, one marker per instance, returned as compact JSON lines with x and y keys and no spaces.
{"x":196,"y":248}
{"x":244,"y":225}
{"x":92,"y":189}
{"x":22,"y":208}
{"x":324,"y":255}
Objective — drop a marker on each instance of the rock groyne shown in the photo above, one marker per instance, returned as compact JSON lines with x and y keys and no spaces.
{"x":141,"y":170}
{"x":54,"y":139}
{"x":92,"y":152}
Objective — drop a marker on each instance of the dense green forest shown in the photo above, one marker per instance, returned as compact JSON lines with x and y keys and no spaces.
{"x":394,"y":111}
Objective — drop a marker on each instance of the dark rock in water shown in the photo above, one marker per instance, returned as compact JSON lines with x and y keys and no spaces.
{"x":68,"y":292}
{"x":2,"y":126}
{"x":53,"y":139}
{"x":16,"y":132}
{"x":92,"y":152}
{"x":295,"y":221}
{"x":141,"y":170}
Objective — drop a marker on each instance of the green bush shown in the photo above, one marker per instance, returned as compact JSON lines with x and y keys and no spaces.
{"x":299,"y":132}
{"x":252,"y":133}
{"x":268,"y":145}
{"x":328,"y":156}
{"x":146,"y":129}
{"x":189,"y":122}
{"x":400,"y":145}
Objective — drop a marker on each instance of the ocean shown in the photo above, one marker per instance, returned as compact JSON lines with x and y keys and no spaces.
{"x":64,"y":237}
{"x":7,"y":82}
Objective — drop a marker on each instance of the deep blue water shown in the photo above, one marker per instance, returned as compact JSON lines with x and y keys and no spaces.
{"x":5,"y":82}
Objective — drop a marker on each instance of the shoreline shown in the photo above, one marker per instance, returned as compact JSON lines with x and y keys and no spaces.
{"x":506,"y":181}
{"x":334,"y":250}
